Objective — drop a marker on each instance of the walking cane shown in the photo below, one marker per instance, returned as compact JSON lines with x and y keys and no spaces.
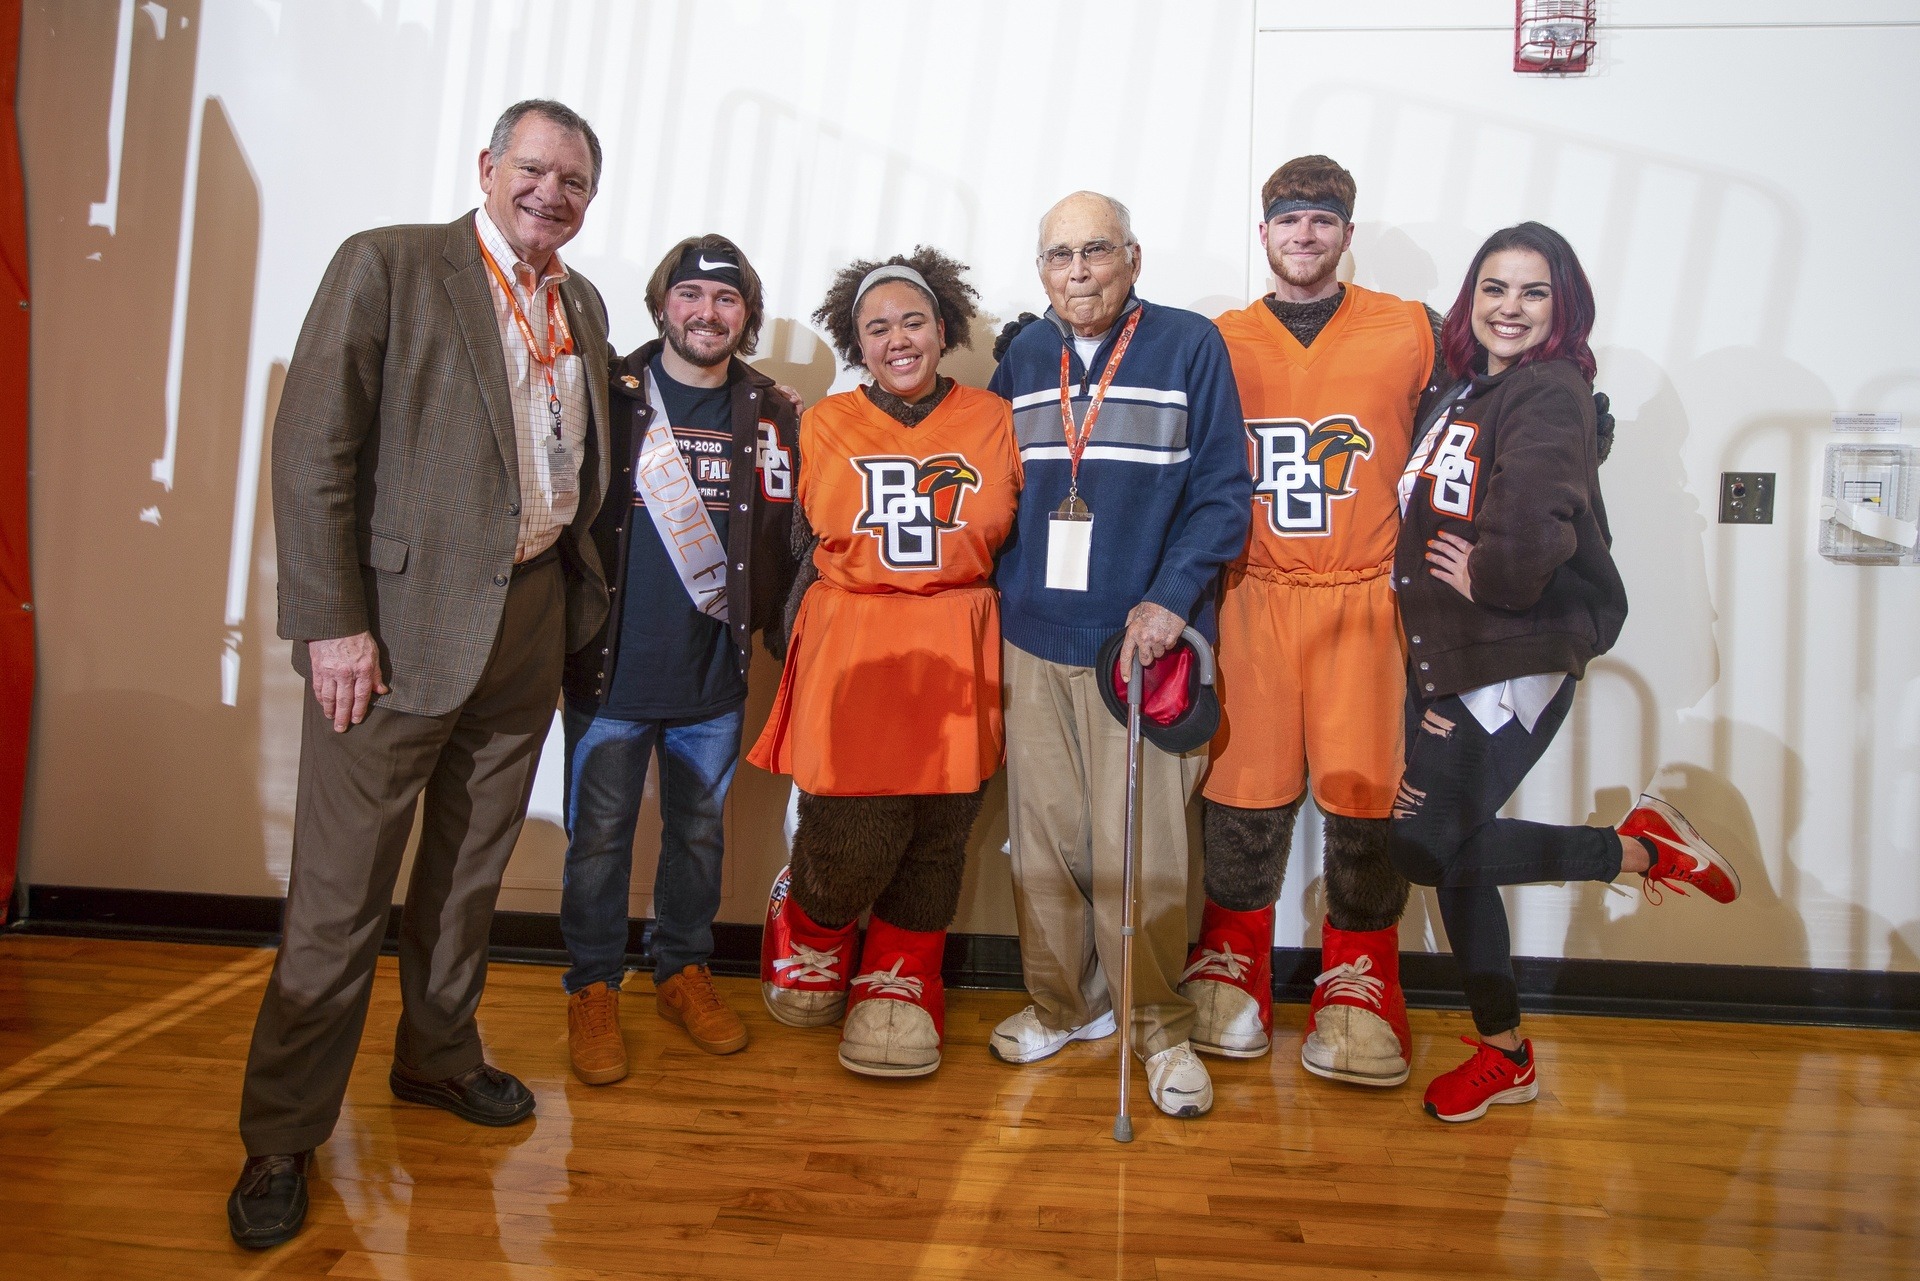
{"x":1122,"y":1123}
{"x":1203,"y":658}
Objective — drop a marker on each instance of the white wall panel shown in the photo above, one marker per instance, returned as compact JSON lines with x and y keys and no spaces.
{"x":1740,"y":198}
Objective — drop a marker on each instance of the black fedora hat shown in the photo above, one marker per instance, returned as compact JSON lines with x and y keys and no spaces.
{"x":1179,"y":709}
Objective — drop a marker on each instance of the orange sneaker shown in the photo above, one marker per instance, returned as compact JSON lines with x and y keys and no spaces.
{"x":687,"y":1000}
{"x":593,"y":1034}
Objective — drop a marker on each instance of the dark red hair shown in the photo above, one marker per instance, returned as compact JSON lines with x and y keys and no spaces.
{"x":1572,"y":304}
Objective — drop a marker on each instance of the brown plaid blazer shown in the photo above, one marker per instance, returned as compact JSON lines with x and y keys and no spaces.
{"x":396,"y":492}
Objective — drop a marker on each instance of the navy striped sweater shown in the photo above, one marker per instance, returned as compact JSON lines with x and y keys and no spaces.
{"x":1165,"y":476}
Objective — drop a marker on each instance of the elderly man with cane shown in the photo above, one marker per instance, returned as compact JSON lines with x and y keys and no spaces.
{"x":1136,"y":494}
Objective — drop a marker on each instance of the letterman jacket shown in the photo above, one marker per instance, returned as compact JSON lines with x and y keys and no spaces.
{"x":760,"y":559}
{"x":1165,"y":476}
{"x":1516,"y":472}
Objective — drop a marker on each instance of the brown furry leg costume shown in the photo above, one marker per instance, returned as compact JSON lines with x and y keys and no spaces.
{"x":1356,"y":1030}
{"x":846,"y":851}
{"x":903,"y":857}
{"x":1245,"y":853}
{"x":1365,"y":891}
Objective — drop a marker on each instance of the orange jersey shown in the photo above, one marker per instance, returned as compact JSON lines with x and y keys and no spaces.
{"x":1329,"y":428}
{"x":909,"y":509}
{"x":892,"y":680}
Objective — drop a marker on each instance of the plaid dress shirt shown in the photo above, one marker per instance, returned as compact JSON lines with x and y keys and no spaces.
{"x":543,"y":512}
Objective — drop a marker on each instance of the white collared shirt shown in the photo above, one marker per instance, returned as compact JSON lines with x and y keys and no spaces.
{"x":543,"y":512}
{"x":1522,"y":698}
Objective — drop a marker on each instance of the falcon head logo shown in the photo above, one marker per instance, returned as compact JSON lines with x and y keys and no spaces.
{"x":941,"y":481}
{"x":1334,"y":446}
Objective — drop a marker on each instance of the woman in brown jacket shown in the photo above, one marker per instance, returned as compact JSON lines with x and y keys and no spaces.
{"x":1507,"y":590}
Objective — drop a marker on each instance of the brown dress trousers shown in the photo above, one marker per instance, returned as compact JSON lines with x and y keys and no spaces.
{"x":352,"y":818}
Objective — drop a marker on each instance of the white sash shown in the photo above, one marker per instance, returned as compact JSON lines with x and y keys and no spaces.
{"x":679,"y":513}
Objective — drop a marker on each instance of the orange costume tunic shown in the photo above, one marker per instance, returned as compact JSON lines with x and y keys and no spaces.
{"x":892,"y":680}
{"x":1312,"y":666}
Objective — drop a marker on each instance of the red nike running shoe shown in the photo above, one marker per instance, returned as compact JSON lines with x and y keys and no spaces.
{"x":1682,"y":856}
{"x":1489,"y":1077}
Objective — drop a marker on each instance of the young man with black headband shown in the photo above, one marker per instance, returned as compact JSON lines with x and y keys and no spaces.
{"x":698,"y":557}
{"x":1312,"y":669}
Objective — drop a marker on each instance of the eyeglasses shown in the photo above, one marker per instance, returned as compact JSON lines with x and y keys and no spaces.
{"x":1094,"y":253}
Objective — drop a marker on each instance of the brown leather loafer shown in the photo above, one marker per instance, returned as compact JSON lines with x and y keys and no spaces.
{"x":687,"y":1000}
{"x":269,"y":1203}
{"x":594,"y":1047}
{"x":483,"y":1094}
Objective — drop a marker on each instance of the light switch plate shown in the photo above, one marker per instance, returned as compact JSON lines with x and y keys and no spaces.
{"x":1746,"y":498}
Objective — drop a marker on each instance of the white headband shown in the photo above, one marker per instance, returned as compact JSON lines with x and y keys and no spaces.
{"x":894,"y":271}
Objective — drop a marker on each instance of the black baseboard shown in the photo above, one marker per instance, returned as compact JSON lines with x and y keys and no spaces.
{"x":1548,"y":985}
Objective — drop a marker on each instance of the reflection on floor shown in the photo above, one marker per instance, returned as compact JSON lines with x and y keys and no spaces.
{"x":1655,"y":1150}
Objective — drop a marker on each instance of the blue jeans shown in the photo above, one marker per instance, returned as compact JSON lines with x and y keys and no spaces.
{"x":606,"y":775}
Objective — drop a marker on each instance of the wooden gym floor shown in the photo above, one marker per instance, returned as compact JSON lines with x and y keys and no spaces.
{"x":1655,"y":1150}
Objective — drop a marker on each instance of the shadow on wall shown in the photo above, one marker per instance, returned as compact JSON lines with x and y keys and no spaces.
{"x":156,"y":586}
{"x":793,"y":354}
{"x":1760,"y":929}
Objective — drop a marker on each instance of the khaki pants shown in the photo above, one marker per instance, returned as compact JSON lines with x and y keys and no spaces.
{"x":1067,"y":806}
{"x":355,"y":809}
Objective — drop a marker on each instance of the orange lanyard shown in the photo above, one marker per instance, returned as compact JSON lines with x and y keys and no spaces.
{"x":1077,"y":440}
{"x":556,"y":325}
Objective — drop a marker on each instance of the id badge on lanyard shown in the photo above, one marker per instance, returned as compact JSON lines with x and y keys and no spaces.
{"x":563,"y":473}
{"x":1070,"y":526}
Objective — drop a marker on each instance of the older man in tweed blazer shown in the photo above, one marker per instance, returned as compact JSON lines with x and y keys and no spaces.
{"x":439,"y":454}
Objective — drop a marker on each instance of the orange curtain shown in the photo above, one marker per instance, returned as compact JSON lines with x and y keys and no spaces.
{"x":16,"y":594}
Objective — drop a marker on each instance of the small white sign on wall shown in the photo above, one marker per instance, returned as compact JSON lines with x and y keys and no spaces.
{"x":1866,"y":422}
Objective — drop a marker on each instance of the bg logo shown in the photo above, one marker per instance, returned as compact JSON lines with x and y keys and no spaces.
{"x":909,"y":502}
{"x":1303,"y":468}
{"x":1452,"y":470}
{"x":775,"y":464}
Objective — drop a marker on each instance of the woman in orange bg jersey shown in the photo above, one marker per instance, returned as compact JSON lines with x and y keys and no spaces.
{"x":888,"y":715}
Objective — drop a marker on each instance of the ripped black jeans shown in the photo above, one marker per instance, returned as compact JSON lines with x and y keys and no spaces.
{"x":1445,"y":833}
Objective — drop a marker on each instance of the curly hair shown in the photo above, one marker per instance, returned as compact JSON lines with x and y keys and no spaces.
{"x":954,"y":299}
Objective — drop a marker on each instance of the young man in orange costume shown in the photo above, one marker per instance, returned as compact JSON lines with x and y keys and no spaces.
{"x":1312,"y":665}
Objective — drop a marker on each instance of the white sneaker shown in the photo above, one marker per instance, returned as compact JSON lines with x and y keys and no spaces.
{"x":1178,"y":1082}
{"x":1023,"y":1038}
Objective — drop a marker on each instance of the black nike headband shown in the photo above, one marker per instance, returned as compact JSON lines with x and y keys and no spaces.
{"x":706,"y":264}
{"x":1287,"y":205}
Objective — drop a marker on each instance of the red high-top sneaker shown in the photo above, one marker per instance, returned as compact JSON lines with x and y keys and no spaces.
{"x":1357,"y":1025}
{"x":804,"y":967}
{"x":897,"y":1014}
{"x":1229,"y":979}
{"x":1683,"y":856}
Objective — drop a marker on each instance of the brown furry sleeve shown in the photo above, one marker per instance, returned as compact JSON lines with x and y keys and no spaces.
{"x":804,"y":541}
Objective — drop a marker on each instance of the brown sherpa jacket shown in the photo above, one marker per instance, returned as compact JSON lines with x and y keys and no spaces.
{"x":1516,"y":473}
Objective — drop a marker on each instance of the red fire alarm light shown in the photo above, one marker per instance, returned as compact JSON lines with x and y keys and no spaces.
{"x":1554,"y":36}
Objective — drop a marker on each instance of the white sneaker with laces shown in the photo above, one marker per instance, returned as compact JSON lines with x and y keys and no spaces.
{"x":1178,"y":1082}
{"x":1023,"y":1038}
